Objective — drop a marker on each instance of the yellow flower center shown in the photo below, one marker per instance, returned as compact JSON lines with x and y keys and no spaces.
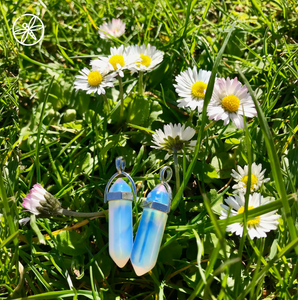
{"x":146,"y":60}
{"x":254,"y":180}
{"x":230,"y":103}
{"x":94,"y":78}
{"x":252,"y":222}
{"x":116,"y":59}
{"x":198,"y":89}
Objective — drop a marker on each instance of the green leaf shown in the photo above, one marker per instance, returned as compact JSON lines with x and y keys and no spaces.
{"x":9,"y":239}
{"x":36,"y":229}
{"x":231,"y":143}
{"x":128,"y":154}
{"x":72,"y":243}
{"x":200,"y":255}
{"x":205,"y":172}
{"x":171,"y":252}
{"x":105,"y":263}
{"x":223,"y":163}
{"x":143,"y":111}
{"x":79,"y":101}
{"x":86,"y":165}
{"x":216,"y":200}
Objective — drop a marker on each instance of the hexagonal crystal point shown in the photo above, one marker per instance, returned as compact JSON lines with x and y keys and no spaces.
{"x":120,"y":225}
{"x":150,"y":232}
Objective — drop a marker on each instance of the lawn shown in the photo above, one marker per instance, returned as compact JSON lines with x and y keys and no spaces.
{"x":206,"y":88}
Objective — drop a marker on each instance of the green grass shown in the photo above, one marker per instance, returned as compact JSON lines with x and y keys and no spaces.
{"x":73,"y":154}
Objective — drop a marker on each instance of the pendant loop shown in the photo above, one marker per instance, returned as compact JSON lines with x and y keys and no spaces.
{"x":166,"y":170}
{"x":120,"y":166}
{"x":164,"y":181}
{"x":165,"y":176}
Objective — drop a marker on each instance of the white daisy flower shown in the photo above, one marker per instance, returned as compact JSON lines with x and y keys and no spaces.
{"x":95,"y":80}
{"x":119,"y":60}
{"x":115,"y":28}
{"x":148,"y":58}
{"x":256,"y":227}
{"x":191,"y":87}
{"x":173,"y":138}
{"x":241,"y":177}
{"x":229,"y":100}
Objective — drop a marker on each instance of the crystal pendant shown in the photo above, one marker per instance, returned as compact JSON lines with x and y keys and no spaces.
{"x":151,"y":228}
{"x":120,"y":198}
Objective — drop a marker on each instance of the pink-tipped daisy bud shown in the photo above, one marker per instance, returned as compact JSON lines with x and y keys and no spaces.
{"x":39,"y":201}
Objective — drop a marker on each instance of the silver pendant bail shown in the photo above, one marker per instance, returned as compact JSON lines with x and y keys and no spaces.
{"x":120,"y":166}
{"x":165,"y":176}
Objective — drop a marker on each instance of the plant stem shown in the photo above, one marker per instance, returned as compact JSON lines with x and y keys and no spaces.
{"x":189,"y":121}
{"x":71,"y":213}
{"x":176,"y":166}
{"x":121,"y":98}
{"x":141,"y":83}
{"x":6,"y":23}
{"x":38,"y":142}
{"x":7,"y":207}
{"x":107,"y":102}
{"x":209,"y":125}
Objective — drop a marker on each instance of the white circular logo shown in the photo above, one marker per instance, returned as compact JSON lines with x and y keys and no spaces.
{"x":28,"y":28}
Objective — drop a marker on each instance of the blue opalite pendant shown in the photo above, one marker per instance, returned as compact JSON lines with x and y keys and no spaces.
{"x":120,"y":198}
{"x":120,"y":225}
{"x":151,"y":229}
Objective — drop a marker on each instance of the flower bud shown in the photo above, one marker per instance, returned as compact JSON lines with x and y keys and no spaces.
{"x":39,"y":201}
{"x":69,"y":115}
